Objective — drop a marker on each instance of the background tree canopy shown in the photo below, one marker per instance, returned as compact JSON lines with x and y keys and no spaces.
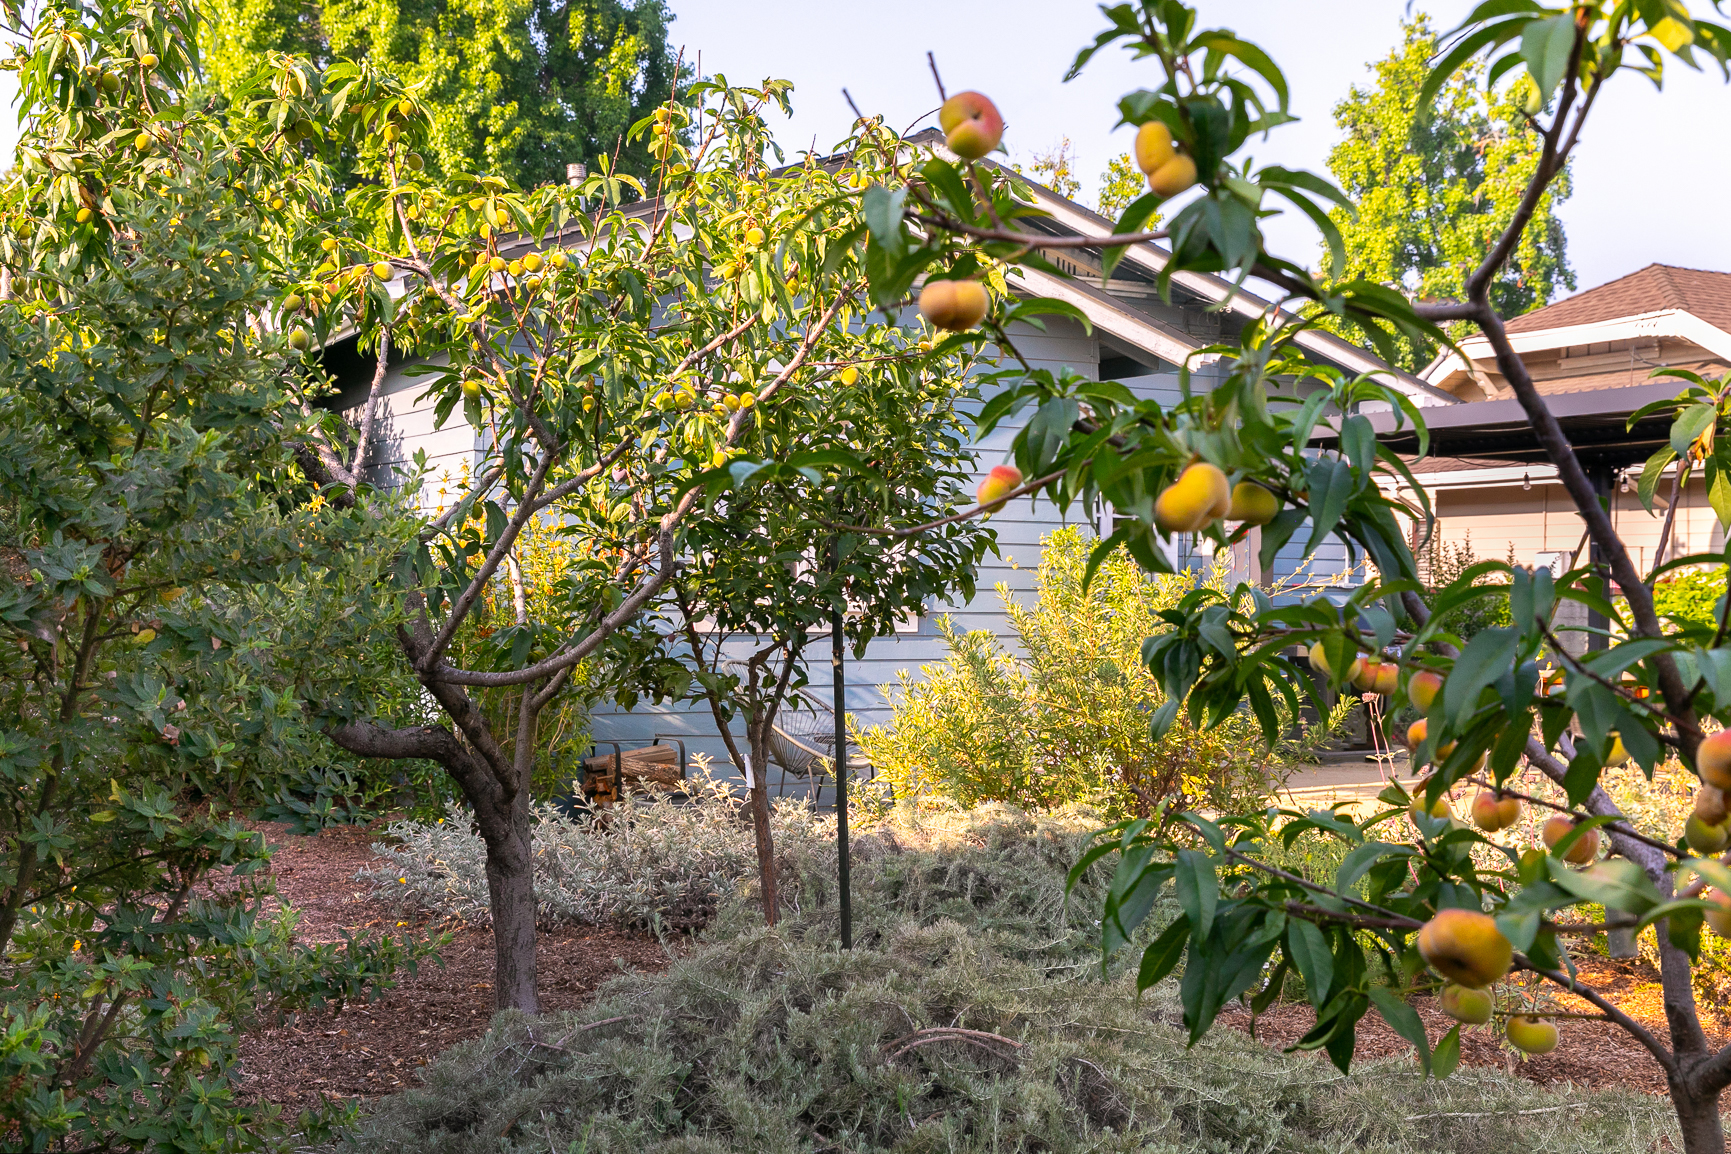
{"x":1434,"y":193}
{"x":515,"y":88}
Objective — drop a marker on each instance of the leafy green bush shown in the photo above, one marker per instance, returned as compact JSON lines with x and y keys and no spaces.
{"x":970,"y":1017}
{"x":1069,"y":722}
{"x":1691,"y":595}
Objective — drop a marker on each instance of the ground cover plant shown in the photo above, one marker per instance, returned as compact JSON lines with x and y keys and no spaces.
{"x":1061,"y":715}
{"x":1417,"y":905}
{"x":970,"y":1015}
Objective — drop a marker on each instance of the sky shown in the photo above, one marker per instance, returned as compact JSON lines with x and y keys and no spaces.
{"x":1649,"y":172}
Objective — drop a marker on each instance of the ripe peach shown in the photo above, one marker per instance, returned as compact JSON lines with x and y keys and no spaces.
{"x":1387,"y":679}
{"x":1492,"y":811}
{"x":1174,"y":176}
{"x":1422,"y":688}
{"x":1198,"y":496}
{"x":1465,"y":946}
{"x":1713,"y":760}
{"x":1252,"y":504}
{"x":1438,"y":808}
{"x":956,"y":305}
{"x":1365,"y":675}
{"x":1415,"y":734}
{"x":1586,"y":847}
{"x":1531,"y":1035}
{"x":1465,"y":1004}
{"x":971,"y":124}
{"x":1153,"y":146}
{"x":1002,"y":479}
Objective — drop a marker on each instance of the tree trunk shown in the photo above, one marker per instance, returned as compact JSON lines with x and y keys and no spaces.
{"x":1698,"y":1119}
{"x":511,"y":893}
{"x":759,"y":801}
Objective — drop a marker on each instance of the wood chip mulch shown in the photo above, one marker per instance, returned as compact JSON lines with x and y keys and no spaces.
{"x":364,"y":1051}
{"x":1592,"y":1054}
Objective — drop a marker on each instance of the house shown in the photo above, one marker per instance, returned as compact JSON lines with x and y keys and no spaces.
{"x":1136,"y":338}
{"x":1593,"y":357}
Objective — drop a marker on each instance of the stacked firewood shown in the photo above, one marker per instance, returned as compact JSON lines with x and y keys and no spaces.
{"x":641,"y":770}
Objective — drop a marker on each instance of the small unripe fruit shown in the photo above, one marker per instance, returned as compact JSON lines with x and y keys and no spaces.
{"x":1199,"y":495}
{"x":84,"y":214}
{"x":1465,"y":946}
{"x":718,"y":459}
{"x":1001,"y":480}
{"x":497,"y":264}
{"x":406,"y":107}
{"x":1153,"y":146}
{"x":1532,"y":1035}
{"x":299,"y":340}
{"x":971,"y":124}
{"x":1465,"y":1004}
{"x":1719,"y":919}
{"x":1422,"y":688}
{"x":501,"y":218}
{"x":471,"y":389}
{"x":557,"y":260}
{"x":1173,"y":177}
{"x":1319,"y":662}
{"x":532,"y":262}
{"x":1710,"y":805}
{"x":145,"y":636}
{"x":382,"y":269}
{"x":515,"y":268}
{"x":1492,"y":811}
{"x":850,"y":376}
{"x":1618,"y":755}
{"x":754,"y":236}
{"x":1253,"y":504}
{"x":1586,"y":847}
{"x":329,"y":244}
{"x":142,"y":142}
{"x":391,"y":133}
{"x":148,"y":61}
{"x":292,"y":302}
{"x":1713,"y":759}
{"x":1706,"y":837}
{"x":956,"y":305}
{"x":416,"y":163}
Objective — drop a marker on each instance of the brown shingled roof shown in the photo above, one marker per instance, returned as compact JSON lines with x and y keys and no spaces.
{"x":1701,"y":292}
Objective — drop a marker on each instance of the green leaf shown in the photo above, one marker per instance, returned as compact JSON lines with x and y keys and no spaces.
{"x":1615,"y":884}
{"x":882,"y":210}
{"x":1447,"y":1054}
{"x":1308,"y":948}
{"x":1403,"y":1020}
{"x":1487,"y":657}
{"x":1198,"y":890}
{"x":1547,"y":46}
{"x":1163,"y":953}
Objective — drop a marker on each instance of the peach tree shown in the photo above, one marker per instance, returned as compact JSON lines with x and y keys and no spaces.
{"x":660,"y":372}
{"x":1422,"y":903}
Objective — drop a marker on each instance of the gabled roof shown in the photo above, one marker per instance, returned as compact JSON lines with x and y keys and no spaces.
{"x":1656,"y":288}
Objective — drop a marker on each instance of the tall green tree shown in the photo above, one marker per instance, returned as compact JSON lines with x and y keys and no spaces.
{"x":1435,"y":184}
{"x":513,"y":88}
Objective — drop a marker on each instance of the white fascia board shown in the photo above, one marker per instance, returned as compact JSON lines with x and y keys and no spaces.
{"x":1111,"y":317}
{"x":1247,"y":304}
{"x":1496,"y":476}
{"x":1677,"y":323}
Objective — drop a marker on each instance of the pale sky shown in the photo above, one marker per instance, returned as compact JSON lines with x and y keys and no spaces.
{"x":1649,"y":173}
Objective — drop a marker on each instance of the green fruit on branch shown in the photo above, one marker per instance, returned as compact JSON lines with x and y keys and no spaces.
{"x":1531,"y":1035}
{"x":1252,"y":503}
{"x":1153,"y":147}
{"x":1466,"y":1004}
{"x":299,"y":340}
{"x":1319,"y":662}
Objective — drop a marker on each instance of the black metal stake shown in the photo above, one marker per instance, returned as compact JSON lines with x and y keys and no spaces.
{"x":835,"y":660}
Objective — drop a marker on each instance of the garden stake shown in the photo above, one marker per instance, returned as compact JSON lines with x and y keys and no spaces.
{"x":835,"y":660}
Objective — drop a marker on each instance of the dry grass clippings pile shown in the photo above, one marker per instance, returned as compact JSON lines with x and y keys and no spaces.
{"x":971,"y":1016}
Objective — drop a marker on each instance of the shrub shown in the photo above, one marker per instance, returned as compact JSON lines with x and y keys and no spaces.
{"x":775,"y":1040}
{"x":661,"y":864}
{"x":1069,"y":722}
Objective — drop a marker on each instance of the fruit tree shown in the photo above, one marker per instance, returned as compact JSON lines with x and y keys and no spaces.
{"x":1422,"y":903}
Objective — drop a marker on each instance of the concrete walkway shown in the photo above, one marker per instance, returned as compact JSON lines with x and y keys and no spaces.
{"x":1344,"y":777}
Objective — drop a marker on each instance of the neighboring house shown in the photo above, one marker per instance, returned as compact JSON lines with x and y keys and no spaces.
{"x":1593,"y":357}
{"x":1136,"y":338}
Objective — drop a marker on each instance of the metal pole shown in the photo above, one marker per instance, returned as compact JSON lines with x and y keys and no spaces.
{"x":835,"y":660}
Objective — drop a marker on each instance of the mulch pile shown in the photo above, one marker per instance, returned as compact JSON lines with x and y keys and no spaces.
{"x":367,"y":1050}
{"x":1594,"y":1054}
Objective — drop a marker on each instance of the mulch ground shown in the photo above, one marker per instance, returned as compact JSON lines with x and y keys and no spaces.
{"x":364,"y":1051}
{"x":1593,"y":1054}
